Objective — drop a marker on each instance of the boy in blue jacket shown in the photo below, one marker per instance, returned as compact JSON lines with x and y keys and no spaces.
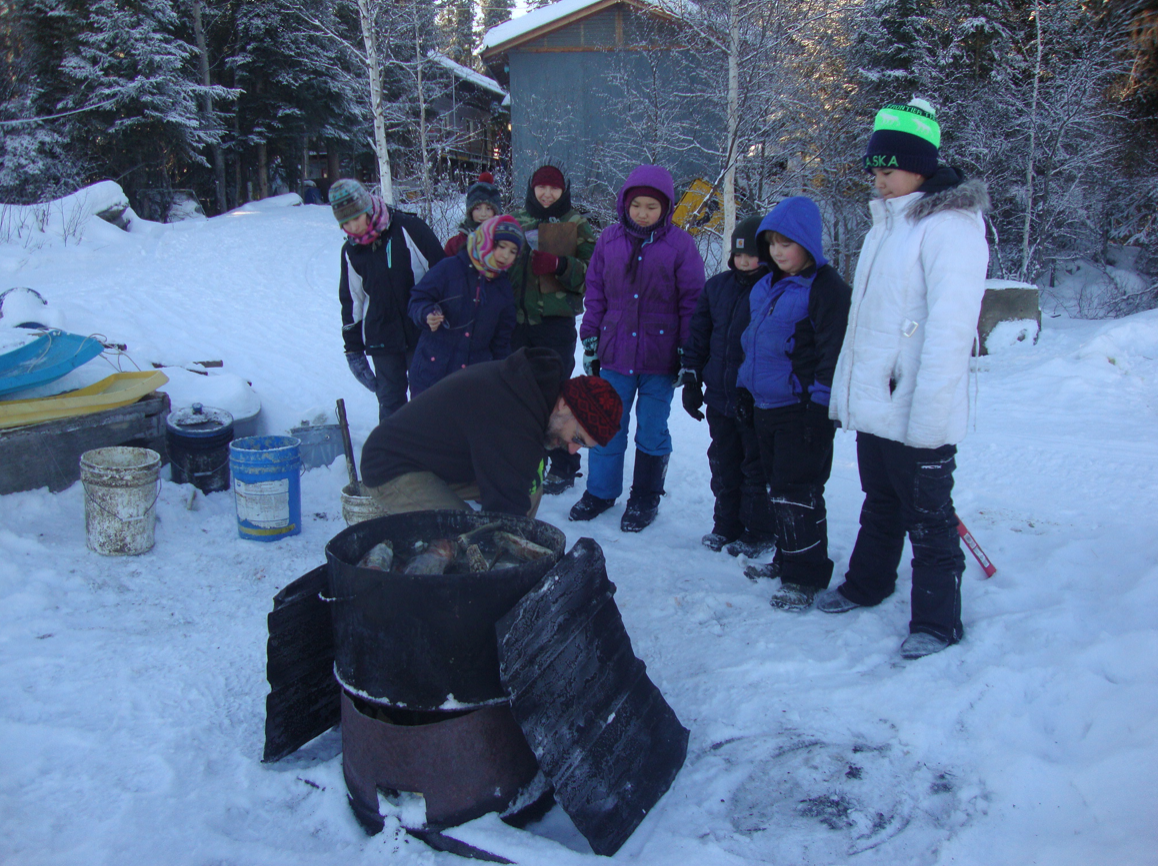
{"x":798,"y":317}
{"x":710,"y":360}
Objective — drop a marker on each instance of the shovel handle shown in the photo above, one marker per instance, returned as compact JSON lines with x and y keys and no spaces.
{"x":348,"y":446}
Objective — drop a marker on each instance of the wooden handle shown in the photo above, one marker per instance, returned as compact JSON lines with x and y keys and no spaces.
{"x":348,"y":447}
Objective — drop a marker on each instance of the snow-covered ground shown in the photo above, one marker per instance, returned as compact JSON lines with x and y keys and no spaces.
{"x":132,"y":689}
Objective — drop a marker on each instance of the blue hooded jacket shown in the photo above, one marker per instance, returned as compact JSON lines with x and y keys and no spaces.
{"x":797,"y":322}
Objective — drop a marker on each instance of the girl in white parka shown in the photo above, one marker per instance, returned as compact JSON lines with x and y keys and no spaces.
{"x":902,"y":378}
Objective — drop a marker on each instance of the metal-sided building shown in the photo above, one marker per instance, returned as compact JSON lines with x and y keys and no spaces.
{"x":600,"y":86}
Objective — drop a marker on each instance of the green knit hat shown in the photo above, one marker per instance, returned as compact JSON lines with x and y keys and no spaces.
{"x":906,"y":137}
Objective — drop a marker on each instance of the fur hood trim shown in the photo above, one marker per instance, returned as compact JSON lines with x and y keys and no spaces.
{"x":972,"y":195}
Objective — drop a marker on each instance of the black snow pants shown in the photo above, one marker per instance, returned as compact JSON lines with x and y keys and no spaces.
{"x":558,"y":334}
{"x":908,"y":490}
{"x":796,"y":451}
{"x":738,"y":481}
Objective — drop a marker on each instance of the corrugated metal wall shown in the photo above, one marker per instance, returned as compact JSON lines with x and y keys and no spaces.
{"x":569,"y":103}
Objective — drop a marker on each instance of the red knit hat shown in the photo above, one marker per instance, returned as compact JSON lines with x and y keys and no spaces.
{"x":548,"y":175}
{"x":595,"y":405}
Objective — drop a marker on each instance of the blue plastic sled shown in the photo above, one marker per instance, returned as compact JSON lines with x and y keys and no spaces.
{"x":45,"y":359}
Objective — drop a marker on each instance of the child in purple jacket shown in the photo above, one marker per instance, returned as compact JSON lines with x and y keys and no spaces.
{"x":643,"y":282}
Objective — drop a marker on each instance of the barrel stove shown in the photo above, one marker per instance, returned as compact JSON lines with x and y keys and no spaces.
{"x":423,"y":708}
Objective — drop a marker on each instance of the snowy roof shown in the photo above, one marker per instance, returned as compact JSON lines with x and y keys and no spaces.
{"x":542,"y":17}
{"x":467,"y":74}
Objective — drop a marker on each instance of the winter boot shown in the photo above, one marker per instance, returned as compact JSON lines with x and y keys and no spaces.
{"x":715,"y":540}
{"x":752,"y":544}
{"x":562,"y":473}
{"x":833,"y":601}
{"x":770,"y":570}
{"x":793,"y":596}
{"x":646,"y":489}
{"x":920,"y":644}
{"x":554,"y":484}
{"x":589,"y":507}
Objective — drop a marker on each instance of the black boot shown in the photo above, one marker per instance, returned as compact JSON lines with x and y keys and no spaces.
{"x":589,"y":507}
{"x":646,"y":489}
{"x":562,"y":473}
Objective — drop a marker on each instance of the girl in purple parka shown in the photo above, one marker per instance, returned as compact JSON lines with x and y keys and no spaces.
{"x":643,"y":282}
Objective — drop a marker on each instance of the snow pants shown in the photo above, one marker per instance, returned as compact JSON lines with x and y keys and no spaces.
{"x":390,"y":382}
{"x":796,"y":452}
{"x":654,"y":392}
{"x":557,"y":333}
{"x":908,"y":490}
{"x":738,"y":481}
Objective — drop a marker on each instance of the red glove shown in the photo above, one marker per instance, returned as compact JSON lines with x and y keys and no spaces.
{"x":543,"y":263}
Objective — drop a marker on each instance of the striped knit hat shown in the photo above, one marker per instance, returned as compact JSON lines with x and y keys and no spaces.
{"x":481,"y":243}
{"x":906,"y":137}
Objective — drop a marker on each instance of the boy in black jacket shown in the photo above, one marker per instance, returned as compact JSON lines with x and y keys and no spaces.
{"x":711,"y":358}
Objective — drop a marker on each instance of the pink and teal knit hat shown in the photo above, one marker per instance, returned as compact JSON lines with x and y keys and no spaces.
{"x":481,"y":243}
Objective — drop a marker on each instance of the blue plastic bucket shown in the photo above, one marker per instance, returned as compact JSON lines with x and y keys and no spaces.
{"x":267,"y":486}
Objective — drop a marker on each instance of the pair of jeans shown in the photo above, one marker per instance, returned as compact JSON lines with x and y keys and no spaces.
{"x":391,"y":382}
{"x":651,"y":394}
{"x":796,"y":452}
{"x":556,"y":333}
{"x":908,"y":490}
{"x":738,"y":481}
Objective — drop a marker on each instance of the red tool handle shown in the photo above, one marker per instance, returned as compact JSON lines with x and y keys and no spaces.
{"x":975,"y":549}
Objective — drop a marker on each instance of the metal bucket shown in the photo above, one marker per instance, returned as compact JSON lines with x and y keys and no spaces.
{"x":267,"y":486}
{"x":426,"y":642}
{"x":321,"y":444}
{"x":121,"y":486}
{"x":198,"y":439}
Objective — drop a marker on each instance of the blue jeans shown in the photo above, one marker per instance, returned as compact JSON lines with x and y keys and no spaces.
{"x":390,"y":377}
{"x":605,"y":465}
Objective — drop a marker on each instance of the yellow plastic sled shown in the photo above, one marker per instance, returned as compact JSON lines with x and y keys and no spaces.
{"x":112,"y":392}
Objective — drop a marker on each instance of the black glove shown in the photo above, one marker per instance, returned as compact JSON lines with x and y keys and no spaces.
{"x":590,"y":360}
{"x":693,"y":397}
{"x":360,"y":367}
{"x":745,"y":408}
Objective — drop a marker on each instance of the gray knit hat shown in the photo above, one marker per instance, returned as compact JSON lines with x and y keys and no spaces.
{"x":349,"y":199}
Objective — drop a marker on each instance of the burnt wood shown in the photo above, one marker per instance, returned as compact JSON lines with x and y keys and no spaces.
{"x":303,"y":701}
{"x":48,"y":454}
{"x":598,"y":726}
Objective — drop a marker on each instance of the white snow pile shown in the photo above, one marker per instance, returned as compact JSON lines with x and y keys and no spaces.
{"x":132,"y":690}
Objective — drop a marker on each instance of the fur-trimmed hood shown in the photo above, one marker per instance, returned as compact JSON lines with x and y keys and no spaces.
{"x":972,"y":195}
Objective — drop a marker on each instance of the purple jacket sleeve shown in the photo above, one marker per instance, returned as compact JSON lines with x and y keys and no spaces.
{"x":594,"y":300}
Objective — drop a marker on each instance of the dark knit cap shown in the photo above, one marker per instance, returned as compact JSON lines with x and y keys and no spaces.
{"x":548,"y":175}
{"x":744,"y":236}
{"x":595,"y":405}
{"x":484,"y":191}
{"x":349,"y":199}
{"x":906,"y":137}
{"x":651,"y":191}
{"x":506,"y":228}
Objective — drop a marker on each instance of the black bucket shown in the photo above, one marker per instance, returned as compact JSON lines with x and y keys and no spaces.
{"x":198,"y":439}
{"x":426,"y":642}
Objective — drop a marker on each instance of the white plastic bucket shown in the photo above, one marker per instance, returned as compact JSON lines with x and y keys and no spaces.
{"x":356,"y":508}
{"x":121,"y":486}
